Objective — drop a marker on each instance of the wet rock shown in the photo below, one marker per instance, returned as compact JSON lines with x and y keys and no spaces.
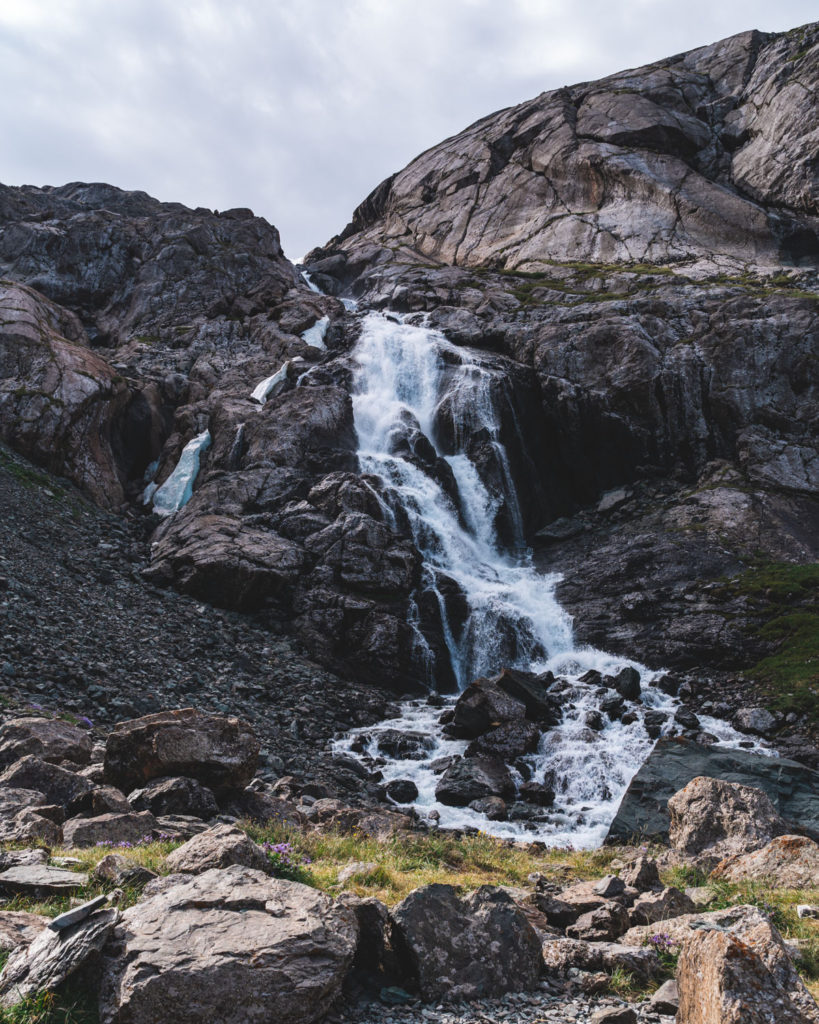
{"x":717,"y":818}
{"x":40,"y":880}
{"x":537,"y":793}
{"x":412,"y":746}
{"x":448,"y":943}
{"x":217,"y":847}
{"x":19,"y":928}
{"x":654,"y":722}
{"x":50,"y":739}
{"x":54,"y":956}
{"x":482,"y":706}
{"x":506,"y":742}
{"x":474,"y":778}
{"x":263,"y":949}
{"x":175,"y":796}
{"x":492,"y":806}
{"x":402,"y":791}
{"x":218,"y":751}
{"x":740,"y":975}
{"x":532,"y":691}
{"x":109,"y":828}
{"x":627,"y":683}
{"x":787,"y":862}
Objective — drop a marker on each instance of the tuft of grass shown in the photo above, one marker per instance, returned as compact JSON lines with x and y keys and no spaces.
{"x":72,"y":1005}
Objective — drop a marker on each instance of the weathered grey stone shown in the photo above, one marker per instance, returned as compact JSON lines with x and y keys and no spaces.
{"x":652,"y":907}
{"x":231,"y":945}
{"x":741,"y":976}
{"x":787,"y":862}
{"x":57,"y":785}
{"x":561,"y":955}
{"x":76,"y":914}
{"x":218,"y":751}
{"x":40,"y":880}
{"x":717,"y":818}
{"x":666,"y":999}
{"x":175,"y":796}
{"x":19,"y":928}
{"x":54,"y":956}
{"x":474,"y":778}
{"x":603,"y":924}
{"x":218,"y":847}
{"x":50,"y":739}
{"x":642,"y":874}
{"x":755,"y":720}
{"x":452,"y":945}
{"x":109,"y":828}
{"x":122,"y":871}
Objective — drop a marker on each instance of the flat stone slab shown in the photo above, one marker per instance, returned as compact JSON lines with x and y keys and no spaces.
{"x":77,"y":914}
{"x":40,"y":879}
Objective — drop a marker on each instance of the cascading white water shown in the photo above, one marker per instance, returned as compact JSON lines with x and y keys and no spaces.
{"x":405,"y":373}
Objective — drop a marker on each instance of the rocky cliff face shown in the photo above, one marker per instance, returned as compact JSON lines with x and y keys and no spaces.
{"x":636,"y":260}
{"x":709,"y":156}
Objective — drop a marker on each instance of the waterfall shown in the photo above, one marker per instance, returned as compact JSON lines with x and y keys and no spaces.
{"x":408,"y":379}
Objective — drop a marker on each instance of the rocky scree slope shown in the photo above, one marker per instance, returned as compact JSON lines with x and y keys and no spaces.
{"x":642,"y":253}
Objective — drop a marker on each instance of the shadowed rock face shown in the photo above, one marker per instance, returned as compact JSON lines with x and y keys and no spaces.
{"x":707,"y":154}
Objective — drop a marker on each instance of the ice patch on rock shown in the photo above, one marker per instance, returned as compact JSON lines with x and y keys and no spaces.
{"x":178,"y":488}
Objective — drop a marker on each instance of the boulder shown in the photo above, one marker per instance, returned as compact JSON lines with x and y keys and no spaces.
{"x":218,"y":847}
{"x":230,"y":945}
{"x":602,"y":924}
{"x":19,"y":928}
{"x":533,"y":692}
{"x":30,"y":825}
{"x":627,"y":683}
{"x":653,"y":907}
{"x":54,"y":956}
{"x":482,"y":706}
{"x":404,"y":746}
{"x":122,"y":872}
{"x":756,"y":721}
{"x":452,"y":946}
{"x":175,"y":796}
{"x":787,"y":862}
{"x":506,"y":742}
{"x":50,"y":739}
{"x":792,"y":788}
{"x":642,"y":874}
{"x":677,"y":929}
{"x":105,"y":800}
{"x":401,"y":791}
{"x":380,"y":825}
{"x":493,"y":807}
{"x":110,"y":829}
{"x":40,"y":880}
{"x":474,"y":778}
{"x":373,"y":920}
{"x":561,"y":955}
{"x":218,"y":751}
{"x":666,"y":999}
{"x":717,"y":818}
{"x":742,"y":976}
{"x":57,"y":785}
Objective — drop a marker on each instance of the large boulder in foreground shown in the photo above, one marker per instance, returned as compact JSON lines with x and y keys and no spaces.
{"x":218,"y":751}
{"x":231,"y":946}
{"x":59,"y":401}
{"x":787,"y":862}
{"x":793,"y":789}
{"x":469,"y":948}
{"x":741,"y":976}
{"x":717,"y":818}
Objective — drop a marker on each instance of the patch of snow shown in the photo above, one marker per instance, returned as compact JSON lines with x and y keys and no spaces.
{"x":178,"y":488}
{"x":315,"y":335}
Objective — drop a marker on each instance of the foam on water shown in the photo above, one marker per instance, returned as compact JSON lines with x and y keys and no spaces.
{"x":406,"y":375}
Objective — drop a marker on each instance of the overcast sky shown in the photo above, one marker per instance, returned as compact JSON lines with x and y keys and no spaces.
{"x":298,"y":109}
